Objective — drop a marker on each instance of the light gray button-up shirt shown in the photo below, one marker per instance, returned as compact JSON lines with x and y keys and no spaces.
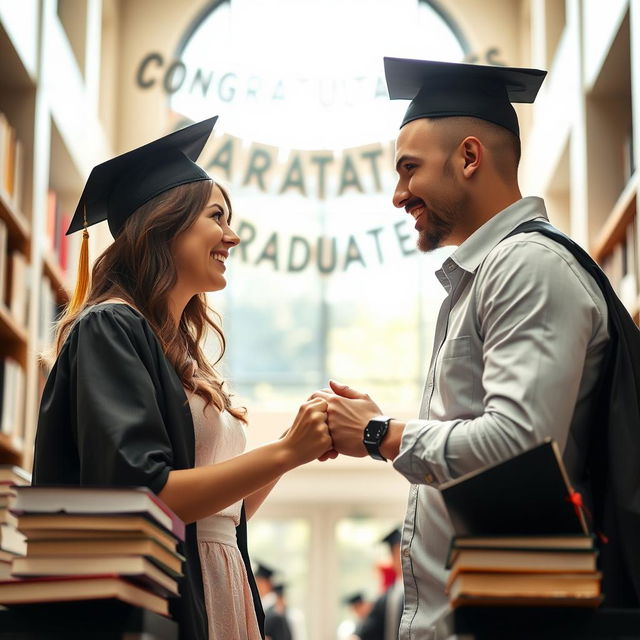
{"x":516,"y":352}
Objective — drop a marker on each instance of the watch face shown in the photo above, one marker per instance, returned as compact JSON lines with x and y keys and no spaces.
{"x":374,"y":431}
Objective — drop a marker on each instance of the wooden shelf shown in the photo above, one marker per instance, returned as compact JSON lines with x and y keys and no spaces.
{"x":9,"y":452}
{"x":620,"y":217}
{"x":10,"y":329}
{"x":54,"y":272}
{"x":17,"y":225}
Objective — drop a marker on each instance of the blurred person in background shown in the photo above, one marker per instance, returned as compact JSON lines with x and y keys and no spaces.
{"x":360,"y":607}
{"x":295,"y":617}
{"x":383,"y":620}
{"x":276,"y":624}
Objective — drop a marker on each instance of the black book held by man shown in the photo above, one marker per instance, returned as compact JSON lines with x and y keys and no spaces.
{"x":527,"y":495}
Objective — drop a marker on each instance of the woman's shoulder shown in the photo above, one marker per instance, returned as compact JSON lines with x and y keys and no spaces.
{"x":118,"y":309}
{"x":110,"y":316}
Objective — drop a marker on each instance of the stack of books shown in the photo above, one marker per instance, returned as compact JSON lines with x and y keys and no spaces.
{"x":12,"y":542}
{"x":520,"y":536}
{"x":88,"y":544}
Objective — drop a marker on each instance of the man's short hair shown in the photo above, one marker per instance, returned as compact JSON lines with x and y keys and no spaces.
{"x":504,"y":145}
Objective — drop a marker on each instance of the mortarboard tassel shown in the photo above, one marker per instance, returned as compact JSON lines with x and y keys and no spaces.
{"x":82,"y":281}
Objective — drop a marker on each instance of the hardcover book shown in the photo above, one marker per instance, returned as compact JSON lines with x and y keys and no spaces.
{"x":78,"y":588}
{"x":527,"y":495}
{"x":75,"y":500}
{"x":84,"y":527}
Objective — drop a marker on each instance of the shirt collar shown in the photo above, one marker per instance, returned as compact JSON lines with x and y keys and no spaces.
{"x":477,"y":246}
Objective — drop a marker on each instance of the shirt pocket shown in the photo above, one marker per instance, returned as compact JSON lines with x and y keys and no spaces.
{"x":456,"y":348}
{"x":455,"y":384}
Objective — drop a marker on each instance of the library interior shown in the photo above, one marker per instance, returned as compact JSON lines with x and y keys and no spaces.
{"x":326,"y":282}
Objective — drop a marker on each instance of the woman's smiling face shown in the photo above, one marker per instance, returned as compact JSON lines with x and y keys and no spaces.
{"x":201,"y":251}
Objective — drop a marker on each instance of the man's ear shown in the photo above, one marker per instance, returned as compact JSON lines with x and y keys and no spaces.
{"x":472,"y":153}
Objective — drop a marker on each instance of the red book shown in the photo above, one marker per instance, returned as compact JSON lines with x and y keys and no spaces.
{"x":51,"y":219}
{"x":64,"y":242}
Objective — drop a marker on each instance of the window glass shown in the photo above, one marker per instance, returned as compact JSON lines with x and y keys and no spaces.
{"x":327,"y":281}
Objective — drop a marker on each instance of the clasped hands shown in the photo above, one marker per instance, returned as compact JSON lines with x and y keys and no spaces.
{"x":346,"y":413}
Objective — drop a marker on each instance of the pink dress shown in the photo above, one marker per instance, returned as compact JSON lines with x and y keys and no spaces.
{"x":230,"y":610}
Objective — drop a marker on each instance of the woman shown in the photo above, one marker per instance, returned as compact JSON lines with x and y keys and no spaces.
{"x":132,"y":400}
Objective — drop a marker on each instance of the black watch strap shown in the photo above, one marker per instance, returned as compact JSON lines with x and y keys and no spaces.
{"x":373,"y":435}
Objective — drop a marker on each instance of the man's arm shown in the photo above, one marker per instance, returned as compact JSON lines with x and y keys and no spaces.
{"x":536,"y":319}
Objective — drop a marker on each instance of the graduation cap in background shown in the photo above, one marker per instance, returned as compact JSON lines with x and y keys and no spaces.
{"x":263,"y":571}
{"x":445,"y":89}
{"x":355,"y":598}
{"x":393,"y":537}
{"x":117,"y":187}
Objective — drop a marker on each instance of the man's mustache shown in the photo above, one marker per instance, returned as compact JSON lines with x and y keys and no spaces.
{"x":414,"y":202}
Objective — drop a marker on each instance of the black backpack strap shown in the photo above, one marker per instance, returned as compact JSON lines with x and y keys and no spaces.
{"x":585,"y":260}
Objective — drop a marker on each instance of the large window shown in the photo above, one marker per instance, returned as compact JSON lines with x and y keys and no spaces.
{"x":327,"y":282}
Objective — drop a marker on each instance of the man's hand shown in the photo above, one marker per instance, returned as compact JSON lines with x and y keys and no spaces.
{"x":348,"y":413}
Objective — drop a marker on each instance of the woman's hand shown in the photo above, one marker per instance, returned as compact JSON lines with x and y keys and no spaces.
{"x":308,"y":437}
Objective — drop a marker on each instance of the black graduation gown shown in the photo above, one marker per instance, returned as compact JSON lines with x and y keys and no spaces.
{"x":114,"y":412}
{"x":276,"y":625}
{"x":373,"y":627}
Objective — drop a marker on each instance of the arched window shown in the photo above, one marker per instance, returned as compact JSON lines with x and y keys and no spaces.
{"x":305,"y":144}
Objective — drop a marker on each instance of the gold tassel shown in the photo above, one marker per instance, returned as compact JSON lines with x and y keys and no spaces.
{"x":82,"y":281}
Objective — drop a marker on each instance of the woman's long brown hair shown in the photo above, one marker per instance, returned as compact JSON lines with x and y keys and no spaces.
{"x":138,"y":267}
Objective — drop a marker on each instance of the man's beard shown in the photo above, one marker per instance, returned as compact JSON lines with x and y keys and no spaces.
{"x":441,"y":225}
{"x":438,"y":229}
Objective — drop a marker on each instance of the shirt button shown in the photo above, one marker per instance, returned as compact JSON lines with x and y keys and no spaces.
{"x":429,"y":479}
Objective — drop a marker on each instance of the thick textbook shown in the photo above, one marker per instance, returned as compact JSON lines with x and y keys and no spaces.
{"x":539,"y":589}
{"x":78,"y":588}
{"x":138,"y":567}
{"x":106,"y":546}
{"x":76,"y":500}
{"x":527,"y":495}
{"x":49,"y":526}
{"x":522,"y":560}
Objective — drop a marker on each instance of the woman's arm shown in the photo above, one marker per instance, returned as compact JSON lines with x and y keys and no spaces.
{"x":197,"y":493}
{"x":253,"y":502}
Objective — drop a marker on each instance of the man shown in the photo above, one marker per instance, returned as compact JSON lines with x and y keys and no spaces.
{"x":276,"y":626}
{"x":520,"y":336}
{"x":294,"y":617}
{"x":383,"y":620}
{"x":360,"y":608}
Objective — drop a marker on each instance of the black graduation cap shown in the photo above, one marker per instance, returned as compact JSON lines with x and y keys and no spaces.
{"x":117,"y":187}
{"x":441,"y":89}
{"x":393,"y":537}
{"x":354,"y":598}
{"x":264,"y":572}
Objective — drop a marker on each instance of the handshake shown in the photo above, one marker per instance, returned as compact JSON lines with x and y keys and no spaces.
{"x":329,"y":423}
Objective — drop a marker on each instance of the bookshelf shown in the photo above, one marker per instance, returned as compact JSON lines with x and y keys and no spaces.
{"x":48,"y":98}
{"x":582,"y":150}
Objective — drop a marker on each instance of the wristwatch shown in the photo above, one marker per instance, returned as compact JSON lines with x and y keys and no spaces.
{"x":374,"y":432}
